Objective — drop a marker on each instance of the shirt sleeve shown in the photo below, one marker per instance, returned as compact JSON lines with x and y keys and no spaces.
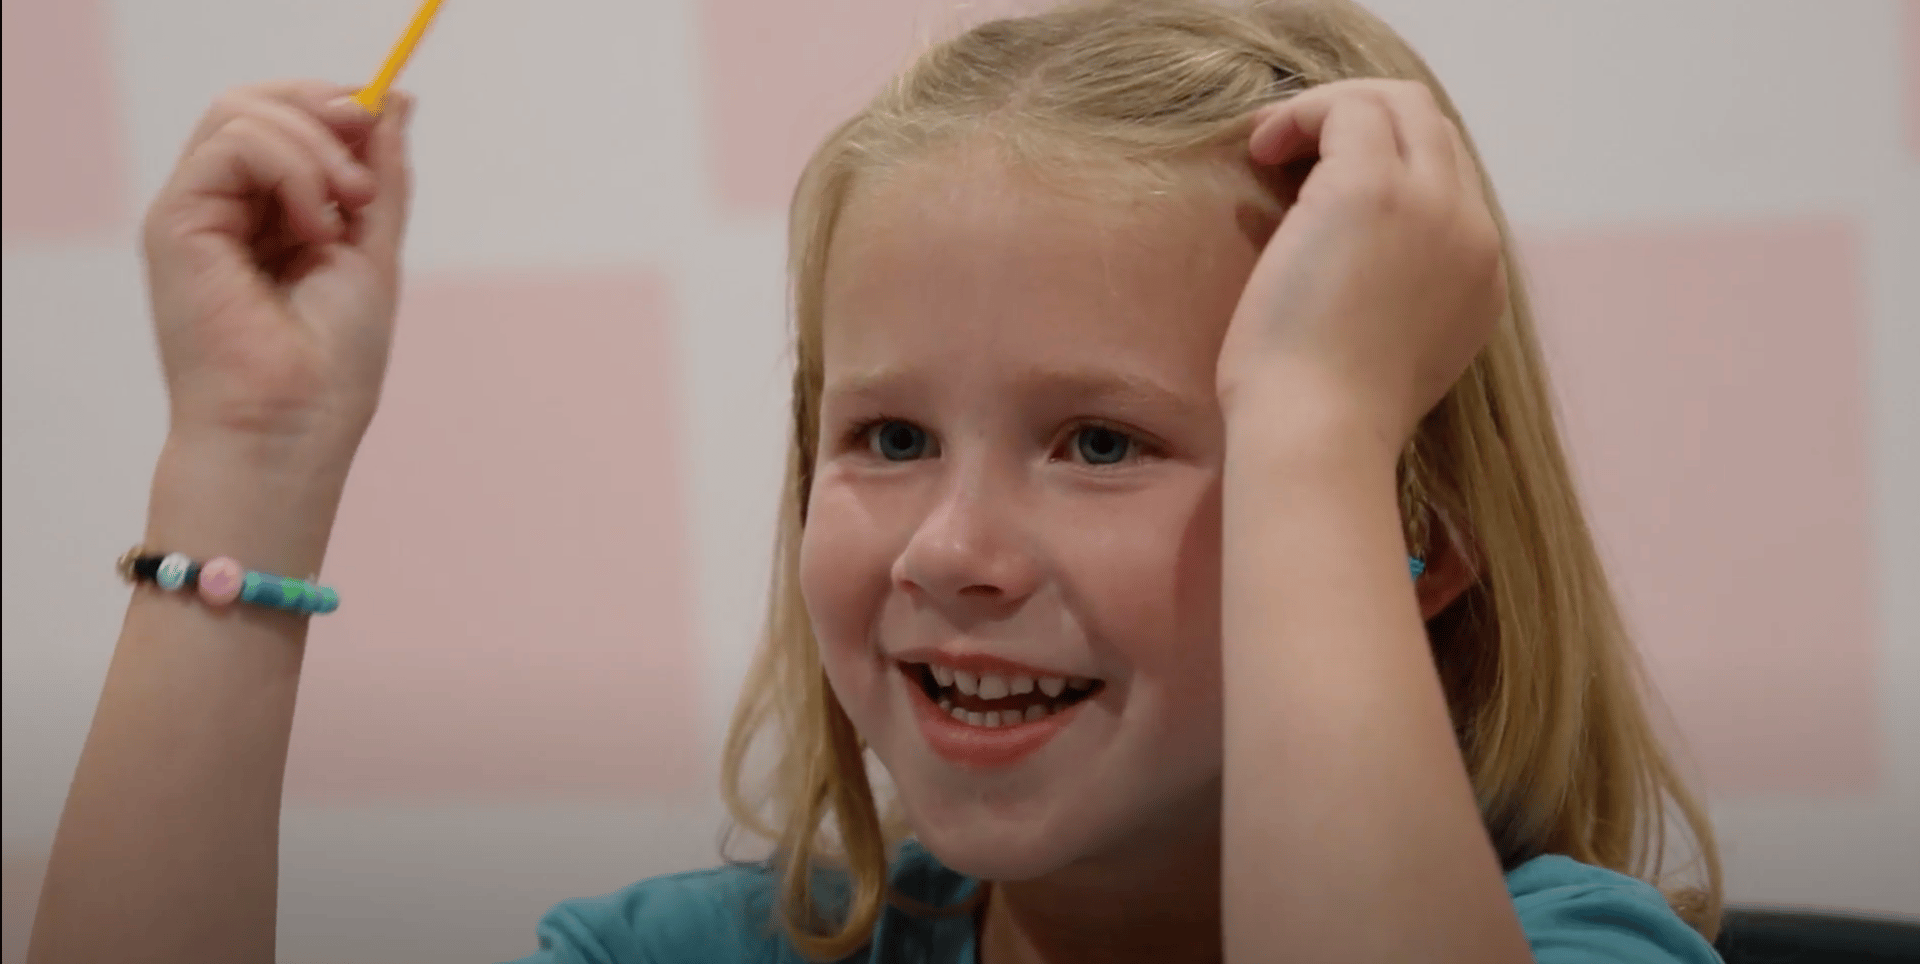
{"x":1574,"y":913}
{"x":567,"y":939}
{"x":695,"y":918}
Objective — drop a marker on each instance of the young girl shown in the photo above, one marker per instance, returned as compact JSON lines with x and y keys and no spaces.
{"x":1141,"y":346}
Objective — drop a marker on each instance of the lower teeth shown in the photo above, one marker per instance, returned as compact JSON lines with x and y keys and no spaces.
{"x":998,"y":718}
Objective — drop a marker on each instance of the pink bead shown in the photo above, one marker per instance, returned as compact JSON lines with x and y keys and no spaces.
{"x":220,"y":581}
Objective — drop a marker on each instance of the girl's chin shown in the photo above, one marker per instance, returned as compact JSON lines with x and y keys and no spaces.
{"x":1000,"y":850}
{"x":1033,"y":839}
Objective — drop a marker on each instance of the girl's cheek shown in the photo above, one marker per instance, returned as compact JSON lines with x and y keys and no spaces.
{"x":1156,"y":562}
{"x":838,"y":569}
{"x":820,"y":580}
{"x":1156,"y":588}
{"x":842,"y":575}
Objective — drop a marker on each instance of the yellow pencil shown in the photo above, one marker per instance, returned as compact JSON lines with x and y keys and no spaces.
{"x":374,"y":95}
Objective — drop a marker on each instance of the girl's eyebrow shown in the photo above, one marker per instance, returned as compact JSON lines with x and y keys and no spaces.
{"x":1105,"y":385}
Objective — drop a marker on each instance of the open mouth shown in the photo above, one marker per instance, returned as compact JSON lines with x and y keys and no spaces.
{"x":996,"y":700}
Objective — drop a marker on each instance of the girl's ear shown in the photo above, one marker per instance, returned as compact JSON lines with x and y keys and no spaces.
{"x":1448,"y":574}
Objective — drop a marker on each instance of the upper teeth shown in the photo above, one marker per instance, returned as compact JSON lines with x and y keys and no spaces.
{"x":993,"y":686}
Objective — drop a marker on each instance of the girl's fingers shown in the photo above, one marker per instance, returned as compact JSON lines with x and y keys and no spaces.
{"x":309,"y":145}
{"x":1353,"y":118}
{"x":249,"y":157}
{"x":309,"y":95}
{"x":1468,"y":170}
{"x":383,"y":221}
{"x":1427,"y":136}
{"x":349,"y":181}
{"x":349,"y":120}
{"x":1345,"y":124}
{"x":1289,"y":130}
{"x":1360,"y":129}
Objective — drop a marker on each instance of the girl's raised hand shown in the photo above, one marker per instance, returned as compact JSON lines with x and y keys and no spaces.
{"x":1384,"y":279}
{"x":273,"y":266}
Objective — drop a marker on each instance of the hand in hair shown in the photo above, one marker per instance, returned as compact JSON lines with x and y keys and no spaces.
{"x":1384,"y":279}
{"x":1374,"y":293}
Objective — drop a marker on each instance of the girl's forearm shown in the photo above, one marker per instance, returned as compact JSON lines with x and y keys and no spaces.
{"x":168,"y":847}
{"x":1350,"y":829}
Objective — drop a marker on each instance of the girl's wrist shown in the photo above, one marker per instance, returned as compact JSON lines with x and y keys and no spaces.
{"x":1301,"y":424}
{"x":266,"y":506}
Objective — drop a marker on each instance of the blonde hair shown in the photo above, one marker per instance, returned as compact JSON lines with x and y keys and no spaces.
{"x":1544,"y":686}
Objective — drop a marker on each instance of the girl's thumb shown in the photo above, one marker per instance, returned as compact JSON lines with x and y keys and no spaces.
{"x":385,"y":218}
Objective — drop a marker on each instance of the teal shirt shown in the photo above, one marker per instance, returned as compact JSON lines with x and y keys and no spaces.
{"x":1573,"y":913}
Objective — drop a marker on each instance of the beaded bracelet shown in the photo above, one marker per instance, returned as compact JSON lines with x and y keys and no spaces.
{"x":221,"y":580}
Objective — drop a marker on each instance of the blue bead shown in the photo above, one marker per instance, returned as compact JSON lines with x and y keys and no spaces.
{"x":260,"y":589}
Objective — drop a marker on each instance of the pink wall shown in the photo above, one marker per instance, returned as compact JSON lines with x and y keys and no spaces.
{"x":65,"y":163}
{"x":1910,"y":41}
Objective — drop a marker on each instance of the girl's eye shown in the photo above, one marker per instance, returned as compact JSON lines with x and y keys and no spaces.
{"x":1099,"y":445}
{"x":897,"y":441}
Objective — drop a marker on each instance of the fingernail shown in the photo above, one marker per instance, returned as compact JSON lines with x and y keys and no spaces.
{"x":342,"y":104}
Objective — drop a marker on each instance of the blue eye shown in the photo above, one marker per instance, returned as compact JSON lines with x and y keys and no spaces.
{"x":898,"y":441}
{"x":1098,"y":445}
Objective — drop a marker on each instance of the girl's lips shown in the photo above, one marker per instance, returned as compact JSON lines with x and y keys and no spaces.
{"x":980,"y":747}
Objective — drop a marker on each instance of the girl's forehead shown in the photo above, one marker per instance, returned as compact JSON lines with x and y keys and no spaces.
{"x":979,"y":204}
{"x":1099,"y":185}
{"x":965,"y":261}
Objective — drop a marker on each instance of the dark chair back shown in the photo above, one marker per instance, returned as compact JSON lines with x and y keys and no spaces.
{"x":1765,"y":935}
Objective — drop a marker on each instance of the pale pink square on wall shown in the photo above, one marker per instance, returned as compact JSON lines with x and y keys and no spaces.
{"x":780,"y":75}
{"x":1910,"y":52}
{"x":516,"y":619}
{"x":64,"y":160}
{"x":1713,"y":379}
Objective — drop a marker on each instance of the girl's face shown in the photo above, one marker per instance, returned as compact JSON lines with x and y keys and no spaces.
{"x":1011,"y":556}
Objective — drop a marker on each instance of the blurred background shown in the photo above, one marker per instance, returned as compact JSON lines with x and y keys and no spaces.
{"x":1720,"y":201}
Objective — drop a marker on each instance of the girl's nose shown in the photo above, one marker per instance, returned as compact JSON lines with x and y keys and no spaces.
{"x":970,"y":548}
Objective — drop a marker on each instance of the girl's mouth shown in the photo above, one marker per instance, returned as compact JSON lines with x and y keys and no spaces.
{"x":992,"y":700}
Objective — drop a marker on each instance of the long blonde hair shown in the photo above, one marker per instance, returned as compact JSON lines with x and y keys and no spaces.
{"x":1545,"y":689}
